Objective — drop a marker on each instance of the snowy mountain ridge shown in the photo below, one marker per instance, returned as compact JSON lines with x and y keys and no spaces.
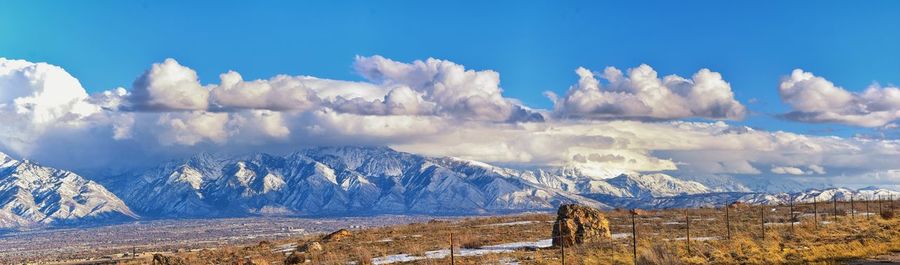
{"x":333,"y":181}
{"x":341,"y":181}
{"x":32,"y":195}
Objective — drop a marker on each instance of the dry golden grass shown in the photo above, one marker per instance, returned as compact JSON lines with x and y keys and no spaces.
{"x":660,"y":232}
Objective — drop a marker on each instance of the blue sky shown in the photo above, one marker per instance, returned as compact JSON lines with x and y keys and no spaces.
{"x":535,"y":45}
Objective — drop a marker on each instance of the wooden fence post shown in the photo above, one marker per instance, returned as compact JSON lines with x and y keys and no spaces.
{"x":687,"y":219}
{"x":762,"y":219}
{"x":634,"y":236}
{"x":816,"y":213}
{"x":834,"y":203}
{"x":868,"y":214}
{"x":452,"y":253}
{"x":791,"y":218}
{"x":727,"y":222}
{"x":852,"y":209}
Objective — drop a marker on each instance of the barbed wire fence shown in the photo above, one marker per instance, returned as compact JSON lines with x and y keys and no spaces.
{"x":701,"y":224}
{"x":630,"y":229}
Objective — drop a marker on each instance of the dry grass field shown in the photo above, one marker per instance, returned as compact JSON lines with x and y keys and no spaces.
{"x":752,"y":235}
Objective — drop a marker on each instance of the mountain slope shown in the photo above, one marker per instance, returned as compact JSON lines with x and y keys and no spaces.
{"x":33,"y":195}
{"x":353,"y":181}
{"x":718,"y":199}
{"x":333,"y":181}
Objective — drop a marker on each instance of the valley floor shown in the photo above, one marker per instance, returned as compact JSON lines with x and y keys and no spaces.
{"x":80,"y":245}
{"x":743,"y":235}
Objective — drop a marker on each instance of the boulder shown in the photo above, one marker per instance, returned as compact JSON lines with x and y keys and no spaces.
{"x":160,"y":259}
{"x":295,"y":258}
{"x":253,"y":261}
{"x":337,"y":235}
{"x":577,"y":224}
{"x":310,"y":247}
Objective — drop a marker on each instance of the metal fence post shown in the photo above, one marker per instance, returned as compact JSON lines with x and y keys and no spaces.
{"x":852,"y":209}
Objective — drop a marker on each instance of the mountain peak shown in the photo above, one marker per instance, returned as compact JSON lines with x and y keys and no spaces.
{"x":4,"y":158}
{"x":350,"y":149}
{"x":39,"y":195}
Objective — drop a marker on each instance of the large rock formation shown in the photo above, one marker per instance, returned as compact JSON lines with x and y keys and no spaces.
{"x":577,"y":224}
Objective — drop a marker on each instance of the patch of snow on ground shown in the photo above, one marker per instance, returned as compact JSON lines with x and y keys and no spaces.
{"x":508,"y":224}
{"x":621,"y":235}
{"x":780,"y":224}
{"x":284,"y":248}
{"x":395,"y":258}
{"x":701,"y":238}
{"x":464,"y":252}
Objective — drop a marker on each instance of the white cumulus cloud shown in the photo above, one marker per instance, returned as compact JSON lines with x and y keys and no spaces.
{"x":279,"y":93}
{"x":35,"y":98}
{"x":815,"y":99}
{"x":643,"y":95}
{"x":432,"y":107}
{"x":169,"y":86}
{"x":454,"y":90}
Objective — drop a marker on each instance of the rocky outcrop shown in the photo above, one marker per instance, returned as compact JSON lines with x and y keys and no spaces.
{"x":255,"y":261}
{"x":295,"y":258}
{"x":337,"y":235}
{"x":160,"y":259}
{"x":310,"y":247}
{"x":577,"y":224}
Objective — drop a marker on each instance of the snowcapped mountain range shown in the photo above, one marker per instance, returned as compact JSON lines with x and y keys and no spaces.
{"x":331,"y":181}
{"x":335,"y":181}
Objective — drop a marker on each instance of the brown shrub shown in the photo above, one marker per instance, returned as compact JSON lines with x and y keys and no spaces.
{"x":658,"y":254}
{"x":295,"y":258}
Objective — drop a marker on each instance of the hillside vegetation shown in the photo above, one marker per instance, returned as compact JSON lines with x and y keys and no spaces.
{"x":661,"y":239}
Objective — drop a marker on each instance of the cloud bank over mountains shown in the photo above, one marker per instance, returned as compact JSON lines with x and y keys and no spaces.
{"x":437,"y":107}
